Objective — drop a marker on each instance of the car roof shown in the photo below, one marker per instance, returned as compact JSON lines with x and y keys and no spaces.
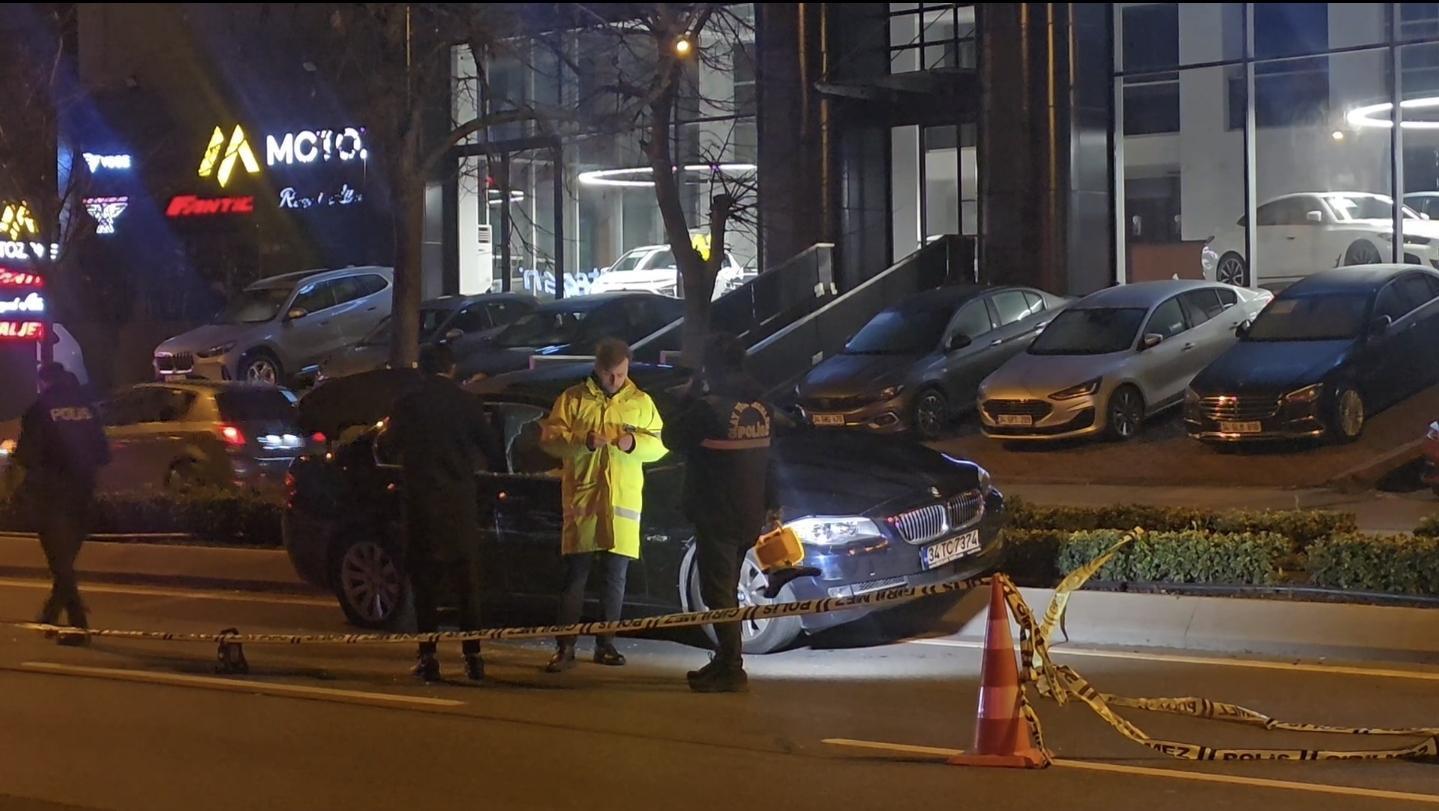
{"x":593,"y":300}
{"x":202,"y":386}
{"x":1348,"y":279}
{"x":456,"y":302}
{"x":548,"y":381}
{"x":320,"y":274}
{"x":1140,"y":294}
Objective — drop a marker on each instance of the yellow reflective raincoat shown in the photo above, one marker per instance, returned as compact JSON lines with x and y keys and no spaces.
{"x":603,"y":489}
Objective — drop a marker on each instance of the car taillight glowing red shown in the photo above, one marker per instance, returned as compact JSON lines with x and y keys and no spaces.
{"x":318,"y":438}
{"x":232,"y":435}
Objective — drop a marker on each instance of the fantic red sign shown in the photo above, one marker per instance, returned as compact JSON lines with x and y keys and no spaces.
{"x":17,"y":330}
{"x":15,"y":278}
{"x":188,"y":205}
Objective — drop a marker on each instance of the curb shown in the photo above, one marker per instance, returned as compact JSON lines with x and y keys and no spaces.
{"x":1366,"y":475}
{"x":1231,"y":625}
{"x":161,"y":564}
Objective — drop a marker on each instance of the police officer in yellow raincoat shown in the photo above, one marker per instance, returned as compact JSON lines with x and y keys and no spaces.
{"x":604,"y":431}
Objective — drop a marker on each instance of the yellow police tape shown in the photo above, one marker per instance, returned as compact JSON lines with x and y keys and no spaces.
{"x":1059,"y":683}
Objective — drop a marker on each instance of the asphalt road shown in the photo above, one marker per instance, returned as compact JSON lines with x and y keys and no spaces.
{"x":123,"y":726}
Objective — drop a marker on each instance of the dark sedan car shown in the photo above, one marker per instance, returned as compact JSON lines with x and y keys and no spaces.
{"x":1325,"y":354}
{"x":460,"y":321}
{"x":873,"y":514}
{"x":919,"y":363}
{"x":569,"y":326}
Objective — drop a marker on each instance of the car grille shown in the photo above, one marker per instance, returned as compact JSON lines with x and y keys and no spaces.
{"x":926,"y":523}
{"x":178,"y":362}
{"x":1232,"y":409}
{"x":837,"y":403}
{"x":1038,"y":409}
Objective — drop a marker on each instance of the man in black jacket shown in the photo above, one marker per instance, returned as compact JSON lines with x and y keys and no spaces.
{"x":62,"y":448}
{"x":724,"y":429}
{"x":444,"y":437}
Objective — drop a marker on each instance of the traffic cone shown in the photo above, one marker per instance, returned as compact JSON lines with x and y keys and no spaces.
{"x":1002,"y":736}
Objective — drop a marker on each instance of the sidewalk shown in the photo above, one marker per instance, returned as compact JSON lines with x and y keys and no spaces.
{"x":1376,"y":512}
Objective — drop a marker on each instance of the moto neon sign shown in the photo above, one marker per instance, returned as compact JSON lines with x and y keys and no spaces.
{"x":308,"y":146}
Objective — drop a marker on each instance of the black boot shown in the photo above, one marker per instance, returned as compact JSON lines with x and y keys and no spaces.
{"x":605,"y":654}
{"x":723,"y":678}
{"x":704,"y":671}
{"x":427,"y":668}
{"x":563,"y":660}
{"x":474,"y":667}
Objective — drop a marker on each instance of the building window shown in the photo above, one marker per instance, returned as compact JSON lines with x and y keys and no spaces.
{"x":931,"y":36}
{"x":1151,"y":85}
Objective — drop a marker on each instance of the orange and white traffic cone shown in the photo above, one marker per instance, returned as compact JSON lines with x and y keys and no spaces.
{"x":1002,"y":736}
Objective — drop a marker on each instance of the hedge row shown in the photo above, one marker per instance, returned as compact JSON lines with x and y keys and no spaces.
{"x":1043,"y":557}
{"x":241,"y":517}
{"x":1428,"y":527}
{"x":1394,"y":564}
{"x":1302,"y":527}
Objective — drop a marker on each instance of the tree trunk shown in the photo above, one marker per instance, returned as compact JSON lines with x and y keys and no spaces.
{"x":405,"y":309}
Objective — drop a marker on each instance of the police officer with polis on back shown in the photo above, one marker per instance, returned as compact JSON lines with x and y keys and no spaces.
{"x":444,"y":438}
{"x":724,"y":429}
{"x":62,"y":447}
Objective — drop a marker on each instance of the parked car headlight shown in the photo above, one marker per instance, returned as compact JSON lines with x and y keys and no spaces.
{"x":1411,"y":239}
{"x":986,"y":483}
{"x":217,"y":350}
{"x":1082,"y":390}
{"x":833,"y":531}
{"x":891,"y":392}
{"x":1308,"y":394}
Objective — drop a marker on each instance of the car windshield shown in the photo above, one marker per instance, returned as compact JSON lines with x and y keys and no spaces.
{"x":631,"y":260}
{"x":901,"y":332}
{"x":255,"y":306}
{"x":256,"y":404}
{"x":1321,"y":317}
{"x":1364,"y":207}
{"x":543,"y":328}
{"x":1089,"y":331}
{"x":430,"y":322}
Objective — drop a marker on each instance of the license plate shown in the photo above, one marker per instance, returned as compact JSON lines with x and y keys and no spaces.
{"x":173,"y":378}
{"x":938,"y":554}
{"x":1240,"y":427}
{"x":827,"y":419}
{"x":1020,"y":420}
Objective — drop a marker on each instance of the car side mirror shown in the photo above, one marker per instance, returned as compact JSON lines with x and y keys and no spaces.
{"x":1379,"y":326}
{"x":1150,"y":340}
{"x":957,"y":341}
{"x":454,"y":335}
{"x":296,"y":313}
{"x":1315,"y":217}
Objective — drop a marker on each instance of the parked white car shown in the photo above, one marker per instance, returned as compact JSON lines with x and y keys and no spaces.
{"x":651,"y":269}
{"x":1300,"y":234}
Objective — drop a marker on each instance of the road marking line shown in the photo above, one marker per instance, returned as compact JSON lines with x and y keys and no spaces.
{"x":1256,"y":664}
{"x":152,"y":591}
{"x":1170,"y":774}
{"x":240,"y":685}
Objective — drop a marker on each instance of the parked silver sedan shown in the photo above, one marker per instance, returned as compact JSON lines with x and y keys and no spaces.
{"x":1113,"y":359}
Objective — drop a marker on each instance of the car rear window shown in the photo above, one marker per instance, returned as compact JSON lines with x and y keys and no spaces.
{"x":260,"y":404}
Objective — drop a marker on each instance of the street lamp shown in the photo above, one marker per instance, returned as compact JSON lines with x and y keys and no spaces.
{"x":683,"y":45}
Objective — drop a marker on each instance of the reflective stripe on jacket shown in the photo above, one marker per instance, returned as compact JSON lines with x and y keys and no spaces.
{"x":603,"y":489}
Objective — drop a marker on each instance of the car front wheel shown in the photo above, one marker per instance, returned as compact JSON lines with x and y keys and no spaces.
{"x":1125,"y":413}
{"x":758,"y":636}
{"x":1232,"y":270}
{"x":931,"y":414}
{"x":261,"y":368}
{"x":1349,"y":414}
{"x":371,"y":586}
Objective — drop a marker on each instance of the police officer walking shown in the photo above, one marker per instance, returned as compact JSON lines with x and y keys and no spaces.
{"x":444,"y":437}
{"x":62,"y":447}
{"x":724,"y":429}
{"x":604,"y":431}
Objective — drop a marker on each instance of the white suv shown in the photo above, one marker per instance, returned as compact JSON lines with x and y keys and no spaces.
{"x":1300,"y":234}
{"x":651,"y":269}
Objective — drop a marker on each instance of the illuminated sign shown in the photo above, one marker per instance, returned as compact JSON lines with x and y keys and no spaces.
{"x":16,"y":220}
{"x":308,"y":146}
{"x":106,"y":210}
{"x":188,"y":205}
{"x":33,"y":303}
{"x":106,"y":161}
{"x":18,"y":330}
{"x":25,"y":251}
{"x":14,"y":278}
{"x":344,"y":196}
{"x":219,"y":160}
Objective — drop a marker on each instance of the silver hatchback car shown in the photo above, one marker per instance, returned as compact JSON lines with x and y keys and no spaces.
{"x":279,"y":329}
{"x":1113,"y":359}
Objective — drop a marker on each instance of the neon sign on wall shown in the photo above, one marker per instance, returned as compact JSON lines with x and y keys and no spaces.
{"x":15,"y":278}
{"x":188,"y":205}
{"x":21,"y":330}
{"x":114,"y":162}
{"x":106,"y":210}
{"x":308,"y":146}
{"x":32,"y":304}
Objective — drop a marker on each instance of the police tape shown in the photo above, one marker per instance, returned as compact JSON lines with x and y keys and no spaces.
{"x":1061,"y":683}
{"x":876,"y":599}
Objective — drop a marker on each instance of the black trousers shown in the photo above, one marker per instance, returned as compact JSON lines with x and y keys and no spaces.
{"x":458,"y":578}
{"x":720,"y":555}
{"x":62,"y":518}
{"x":614,"y":569}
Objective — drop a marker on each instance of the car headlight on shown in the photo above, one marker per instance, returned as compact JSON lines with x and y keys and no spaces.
{"x":1308,"y":394}
{"x":217,"y":350}
{"x":986,"y":483}
{"x":1082,"y":390}
{"x":891,"y":392}
{"x":1411,"y":239}
{"x":834,"y":531}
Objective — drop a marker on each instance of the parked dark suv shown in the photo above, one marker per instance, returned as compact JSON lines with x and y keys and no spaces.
{"x":873,"y":514}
